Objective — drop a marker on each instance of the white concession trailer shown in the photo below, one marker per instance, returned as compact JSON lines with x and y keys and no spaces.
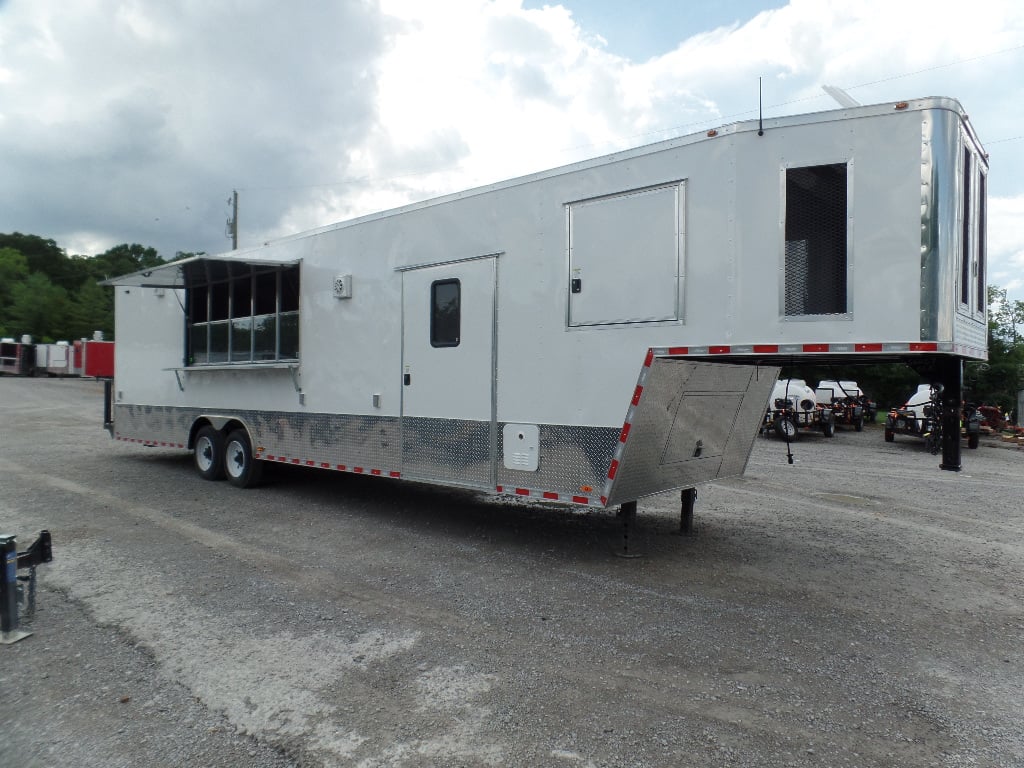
{"x":590,"y":334}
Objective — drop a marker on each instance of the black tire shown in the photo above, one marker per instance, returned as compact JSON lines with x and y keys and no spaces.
{"x":786,"y":429}
{"x":828,"y":428}
{"x":209,"y":454}
{"x":241,"y":468}
{"x":858,"y":425}
{"x":972,"y":441}
{"x":890,"y":436}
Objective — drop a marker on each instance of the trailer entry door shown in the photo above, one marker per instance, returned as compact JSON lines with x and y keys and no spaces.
{"x":448,"y":373}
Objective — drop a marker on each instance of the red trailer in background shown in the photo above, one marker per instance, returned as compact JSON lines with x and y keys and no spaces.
{"x":94,"y":359}
{"x":17,"y":358}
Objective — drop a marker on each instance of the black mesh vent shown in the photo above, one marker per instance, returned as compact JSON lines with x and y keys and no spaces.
{"x":816,"y":240}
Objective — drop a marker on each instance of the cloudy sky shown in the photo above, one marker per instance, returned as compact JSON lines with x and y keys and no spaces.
{"x":133,"y":120}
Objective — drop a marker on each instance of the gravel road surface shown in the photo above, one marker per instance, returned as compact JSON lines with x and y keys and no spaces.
{"x":858,"y":607}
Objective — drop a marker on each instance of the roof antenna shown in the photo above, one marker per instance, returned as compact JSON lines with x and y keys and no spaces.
{"x":760,"y":113}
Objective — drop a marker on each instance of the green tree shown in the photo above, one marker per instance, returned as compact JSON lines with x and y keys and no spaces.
{"x":50,"y":295}
{"x":91,"y":309}
{"x":13,"y":270}
{"x":123,"y":259}
{"x":46,"y":257}
{"x":1004,"y":316}
{"x":40,"y":308}
{"x":998,"y":381}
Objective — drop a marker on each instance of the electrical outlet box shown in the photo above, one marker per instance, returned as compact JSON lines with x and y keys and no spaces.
{"x":343,"y":286}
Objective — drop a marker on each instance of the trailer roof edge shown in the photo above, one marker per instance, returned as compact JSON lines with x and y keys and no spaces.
{"x":742,"y":126}
{"x":172,"y":274}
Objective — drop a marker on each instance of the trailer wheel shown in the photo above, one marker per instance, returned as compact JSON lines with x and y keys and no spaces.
{"x":209,"y":454}
{"x":890,"y":436}
{"x":972,"y":441}
{"x":828,"y":428}
{"x":243,"y":471}
{"x":785,"y":428}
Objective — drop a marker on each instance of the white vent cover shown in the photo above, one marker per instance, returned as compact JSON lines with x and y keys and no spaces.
{"x":343,"y":286}
{"x":521,"y":446}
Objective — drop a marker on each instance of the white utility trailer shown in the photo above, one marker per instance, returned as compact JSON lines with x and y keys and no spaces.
{"x":54,"y":359}
{"x":590,"y":334}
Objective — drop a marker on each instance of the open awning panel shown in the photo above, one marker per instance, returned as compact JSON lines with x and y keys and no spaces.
{"x":175,"y":274}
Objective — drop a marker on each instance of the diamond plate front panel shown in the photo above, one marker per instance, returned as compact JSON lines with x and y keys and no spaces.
{"x":448,"y":450}
{"x":364,"y":441}
{"x":971,"y":332}
{"x":695,"y":422}
{"x":333,"y":439}
{"x":572,"y":460}
{"x":153,"y":424}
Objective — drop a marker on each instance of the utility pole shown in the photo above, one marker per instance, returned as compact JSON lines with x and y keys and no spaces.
{"x":233,"y":221}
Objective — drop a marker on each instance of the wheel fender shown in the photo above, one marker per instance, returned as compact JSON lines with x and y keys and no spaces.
{"x":218,"y":421}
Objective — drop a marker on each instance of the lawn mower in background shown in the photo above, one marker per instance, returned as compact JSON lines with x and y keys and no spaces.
{"x":921,"y":417}
{"x":793,"y":408}
{"x":847,"y":400}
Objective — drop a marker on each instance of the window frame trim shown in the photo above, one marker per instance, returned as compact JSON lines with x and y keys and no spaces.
{"x":784,"y":168}
{"x":433,"y":317}
{"x":184,"y":270}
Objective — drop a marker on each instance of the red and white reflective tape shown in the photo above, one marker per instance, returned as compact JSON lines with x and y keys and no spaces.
{"x":813,"y":348}
{"x":327,"y":465}
{"x":148,"y":443}
{"x":565,"y":498}
{"x":818,"y":348}
{"x":627,"y":424}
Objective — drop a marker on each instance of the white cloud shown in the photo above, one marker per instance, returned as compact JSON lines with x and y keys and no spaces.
{"x":138,"y":118}
{"x":132,"y":120}
{"x":1006,"y":244}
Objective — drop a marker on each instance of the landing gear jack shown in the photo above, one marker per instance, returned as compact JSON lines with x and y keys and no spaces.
{"x":628,"y":514}
{"x":687,"y":498}
{"x":951,"y":374}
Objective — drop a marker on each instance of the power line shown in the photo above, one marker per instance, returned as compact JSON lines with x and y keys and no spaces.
{"x":940,"y":66}
{"x":677,"y":129}
{"x":348,"y":181}
{"x":737,"y":115}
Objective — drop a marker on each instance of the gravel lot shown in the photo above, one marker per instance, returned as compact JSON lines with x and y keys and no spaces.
{"x":859,"y":607}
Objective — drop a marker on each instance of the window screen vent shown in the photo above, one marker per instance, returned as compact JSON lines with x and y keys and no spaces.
{"x":816,"y":258}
